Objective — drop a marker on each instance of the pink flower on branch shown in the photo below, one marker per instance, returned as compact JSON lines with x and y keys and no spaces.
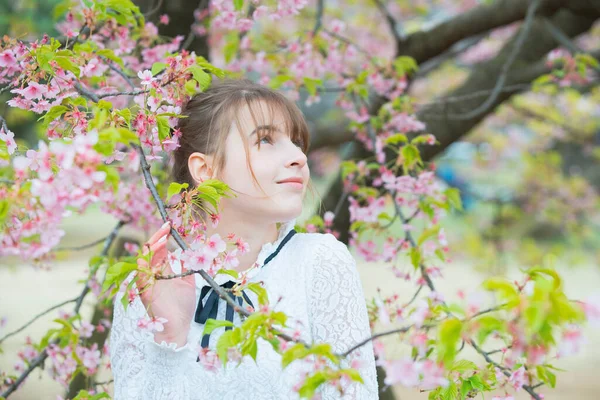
{"x":146,"y":77}
{"x":33,"y":91}
{"x":9,"y":138}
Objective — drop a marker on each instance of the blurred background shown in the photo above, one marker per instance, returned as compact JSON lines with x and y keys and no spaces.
{"x":528,"y":168}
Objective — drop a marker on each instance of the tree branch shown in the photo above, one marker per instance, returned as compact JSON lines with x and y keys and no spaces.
{"x":319,"y":17}
{"x":424,"y":45}
{"x":528,"y":389}
{"x":517,"y":47}
{"x":38,"y":316}
{"x":36,"y":362}
{"x":392,"y":22}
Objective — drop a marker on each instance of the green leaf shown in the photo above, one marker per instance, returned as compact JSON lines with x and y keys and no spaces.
{"x":313,"y":382}
{"x":112,"y":175}
{"x":231,"y":272}
{"x":85,"y":395}
{"x":261,"y":292}
{"x":127,"y":136}
{"x":212,"y":324}
{"x":110,"y":54}
{"x":463,"y":366}
{"x":312,"y":84}
{"x":296,"y":352}
{"x":279,"y":80}
{"x":201,"y":61}
{"x":427,"y":234}
{"x":396,"y":138}
{"x":411,"y":156}
{"x":4,"y":207}
{"x":465,"y":388}
{"x":175,"y":188}
{"x":505,"y":288}
{"x":537,"y":271}
{"x":104,"y":105}
{"x":158,"y":67}
{"x":190,"y":87}
{"x":354,"y":374}
{"x":163,"y":127}
{"x":348,"y":167}
{"x":117,"y":273}
{"x":415,"y":257}
{"x":453,"y":198}
{"x":238,"y":4}
{"x":53,"y":114}
{"x":66,"y":64}
{"x":588,"y":60}
{"x":450,"y":392}
{"x":204,"y":79}
{"x":125,"y":113}
{"x":226,"y":341}
{"x":421,"y":139}
{"x":405,"y":65}
{"x":487,"y":325}
{"x":449,"y":335}
{"x":232,"y":44}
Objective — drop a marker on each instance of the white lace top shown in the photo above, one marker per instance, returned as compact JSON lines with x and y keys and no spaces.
{"x":314,"y":274}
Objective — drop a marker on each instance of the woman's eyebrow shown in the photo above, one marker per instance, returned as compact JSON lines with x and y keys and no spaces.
{"x":268,"y":127}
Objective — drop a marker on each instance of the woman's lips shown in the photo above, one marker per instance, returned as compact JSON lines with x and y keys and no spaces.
{"x":294,"y":185}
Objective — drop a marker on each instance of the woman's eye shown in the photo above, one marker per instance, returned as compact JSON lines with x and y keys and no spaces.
{"x":267,"y":138}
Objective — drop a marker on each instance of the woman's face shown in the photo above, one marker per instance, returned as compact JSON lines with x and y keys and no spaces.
{"x":278,"y":159}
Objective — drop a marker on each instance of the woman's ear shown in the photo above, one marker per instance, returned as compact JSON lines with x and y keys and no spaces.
{"x":200,"y":167}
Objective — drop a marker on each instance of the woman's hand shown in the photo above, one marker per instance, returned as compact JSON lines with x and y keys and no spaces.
{"x":172,"y":299}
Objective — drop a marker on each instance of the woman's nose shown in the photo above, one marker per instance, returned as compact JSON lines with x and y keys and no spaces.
{"x":298,"y":157}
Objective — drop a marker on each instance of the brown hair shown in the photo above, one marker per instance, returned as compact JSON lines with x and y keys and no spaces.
{"x":208,"y":121}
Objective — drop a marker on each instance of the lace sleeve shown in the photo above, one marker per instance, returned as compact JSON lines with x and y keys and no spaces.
{"x":338,"y":315}
{"x":142,"y":368}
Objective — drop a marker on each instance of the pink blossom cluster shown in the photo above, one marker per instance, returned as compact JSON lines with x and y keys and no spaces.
{"x":63,"y":175}
{"x":570,"y":74}
{"x":12,"y":62}
{"x":426,"y":375}
{"x":63,"y":363}
{"x":7,"y":137}
{"x":209,"y":254}
{"x":39,"y":97}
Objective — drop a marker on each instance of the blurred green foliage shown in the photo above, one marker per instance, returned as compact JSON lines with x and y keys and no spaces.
{"x":27,"y":18}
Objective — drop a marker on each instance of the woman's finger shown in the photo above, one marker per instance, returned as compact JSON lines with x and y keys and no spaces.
{"x":160,"y":233}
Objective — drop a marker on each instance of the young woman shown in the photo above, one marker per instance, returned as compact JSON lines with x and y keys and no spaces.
{"x":255,"y":140}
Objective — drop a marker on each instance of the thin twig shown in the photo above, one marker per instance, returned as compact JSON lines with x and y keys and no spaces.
{"x":36,"y":318}
{"x":84,"y":92}
{"x":518,"y":45}
{"x":414,"y":296}
{"x":154,"y":10}
{"x":191,"y":35}
{"x":5,"y":88}
{"x":319,"y":17}
{"x":122,"y":74}
{"x":560,"y":37}
{"x":456,"y":50}
{"x":348,"y":42}
{"x":528,"y":389}
{"x":3,"y":122}
{"x":392,"y":22}
{"x":82,"y":247}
